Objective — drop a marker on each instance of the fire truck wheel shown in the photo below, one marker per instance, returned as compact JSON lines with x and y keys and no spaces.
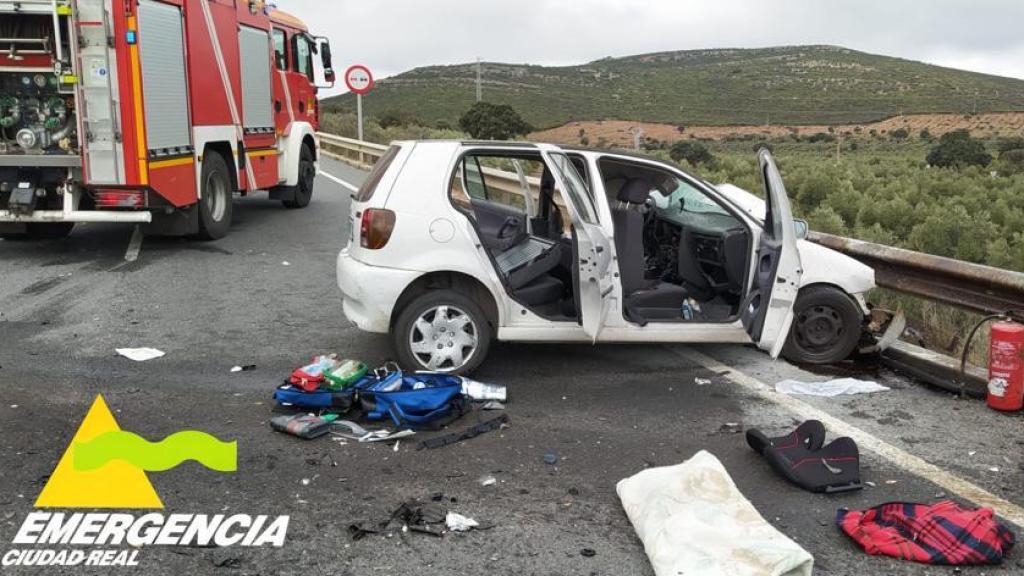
{"x":41,"y":231}
{"x":215,"y":204}
{"x":304,"y":189}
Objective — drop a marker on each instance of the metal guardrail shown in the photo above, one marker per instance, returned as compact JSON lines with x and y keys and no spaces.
{"x":362,"y":153}
{"x":973,"y":287}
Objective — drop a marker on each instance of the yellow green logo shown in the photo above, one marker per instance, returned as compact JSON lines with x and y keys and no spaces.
{"x":105,"y":467}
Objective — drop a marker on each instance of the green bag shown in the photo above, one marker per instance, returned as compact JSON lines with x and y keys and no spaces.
{"x":346,"y":374}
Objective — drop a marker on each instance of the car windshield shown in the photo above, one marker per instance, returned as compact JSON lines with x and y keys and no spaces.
{"x":687,"y":198}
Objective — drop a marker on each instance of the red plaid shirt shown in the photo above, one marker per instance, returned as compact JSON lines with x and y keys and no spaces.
{"x":942,"y":533}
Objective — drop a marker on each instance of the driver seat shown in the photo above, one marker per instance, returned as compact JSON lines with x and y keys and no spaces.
{"x":644,"y":299}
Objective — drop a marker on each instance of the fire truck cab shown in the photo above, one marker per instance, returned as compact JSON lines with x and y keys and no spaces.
{"x":153,"y":112}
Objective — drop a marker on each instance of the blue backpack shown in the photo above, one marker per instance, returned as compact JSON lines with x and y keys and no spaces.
{"x":291,"y":396}
{"x":415,"y":401}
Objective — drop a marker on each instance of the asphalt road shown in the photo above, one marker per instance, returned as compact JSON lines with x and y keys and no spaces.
{"x":266,"y":295}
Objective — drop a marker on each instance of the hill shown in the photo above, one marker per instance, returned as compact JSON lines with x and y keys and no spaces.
{"x":783,"y":85}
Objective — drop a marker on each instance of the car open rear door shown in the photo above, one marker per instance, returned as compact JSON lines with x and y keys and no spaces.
{"x":768,"y":311}
{"x":593,"y":248}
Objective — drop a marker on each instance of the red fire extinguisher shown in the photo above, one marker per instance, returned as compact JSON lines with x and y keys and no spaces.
{"x":1006,"y":367}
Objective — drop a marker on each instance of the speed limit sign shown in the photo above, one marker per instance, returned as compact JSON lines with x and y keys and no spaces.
{"x":359,"y":79}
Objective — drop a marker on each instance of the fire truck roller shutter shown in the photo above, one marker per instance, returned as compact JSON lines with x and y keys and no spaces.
{"x":164,"y":83}
{"x":257,"y":99}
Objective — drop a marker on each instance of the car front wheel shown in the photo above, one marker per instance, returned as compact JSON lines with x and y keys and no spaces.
{"x":442,"y":331}
{"x":826,"y":326}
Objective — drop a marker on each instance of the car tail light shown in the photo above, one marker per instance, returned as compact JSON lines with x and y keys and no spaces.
{"x":375,"y":228}
{"x":119,"y":199}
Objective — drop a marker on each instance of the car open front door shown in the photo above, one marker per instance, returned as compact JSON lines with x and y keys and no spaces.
{"x":768,"y":310}
{"x":593,"y":248}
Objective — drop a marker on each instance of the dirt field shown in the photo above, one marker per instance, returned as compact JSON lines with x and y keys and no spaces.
{"x":619,"y":132}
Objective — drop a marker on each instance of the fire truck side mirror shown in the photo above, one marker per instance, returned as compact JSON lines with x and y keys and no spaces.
{"x":325,"y":59}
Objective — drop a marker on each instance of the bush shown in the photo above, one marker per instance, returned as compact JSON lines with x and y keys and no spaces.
{"x":486,"y":121}
{"x":821,"y":137}
{"x":693,"y":152}
{"x":1012,"y":161}
{"x":899,"y":134}
{"x":392,"y":119}
{"x":958,"y":149}
{"x":1004,"y":145}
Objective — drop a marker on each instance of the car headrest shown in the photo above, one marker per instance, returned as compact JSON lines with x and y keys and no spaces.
{"x":635,"y":191}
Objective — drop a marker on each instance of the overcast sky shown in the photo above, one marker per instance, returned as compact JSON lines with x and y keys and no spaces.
{"x":392,"y":36}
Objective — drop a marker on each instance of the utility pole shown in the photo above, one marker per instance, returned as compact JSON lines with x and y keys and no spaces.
{"x":479,"y":81}
{"x":839,"y":148}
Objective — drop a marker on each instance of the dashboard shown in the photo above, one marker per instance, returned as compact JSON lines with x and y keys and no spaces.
{"x":711,"y":248}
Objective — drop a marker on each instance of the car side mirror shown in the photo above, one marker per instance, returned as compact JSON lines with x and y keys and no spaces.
{"x":801,"y":227}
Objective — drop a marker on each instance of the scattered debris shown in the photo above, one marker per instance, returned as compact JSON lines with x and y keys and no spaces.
{"x":459,"y":523}
{"x":493,"y":405}
{"x":488,"y":480}
{"x":588,"y":552}
{"x":838,"y":387}
{"x":14,"y":405}
{"x":246,"y":368}
{"x":471,"y":432}
{"x":140,"y":354}
{"x":286,"y":263}
{"x":479,"y":391}
{"x":386,"y":435}
{"x":305,"y":426}
{"x":550,"y":457}
{"x":702,"y":381}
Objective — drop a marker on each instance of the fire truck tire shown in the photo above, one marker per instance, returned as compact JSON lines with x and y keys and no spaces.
{"x":302,"y":192}
{"x":41,"y":231}
{"x":217,"y":196}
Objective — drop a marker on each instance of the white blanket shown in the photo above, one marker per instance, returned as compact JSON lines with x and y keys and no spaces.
{"x":832,"y":388}
{"x":693,"y":521}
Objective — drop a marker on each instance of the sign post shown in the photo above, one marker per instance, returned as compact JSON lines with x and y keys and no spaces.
{"x":360,"y":81}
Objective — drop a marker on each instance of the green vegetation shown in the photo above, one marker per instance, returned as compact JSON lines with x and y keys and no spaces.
{"x":486,"y":121}
{"x":785,"y":85}
{"x":957,"y":149}
{"x":693,"y":152}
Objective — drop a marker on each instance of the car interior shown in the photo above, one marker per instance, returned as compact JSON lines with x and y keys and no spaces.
{"x":521,"y":219}
{"x":675,"y":245}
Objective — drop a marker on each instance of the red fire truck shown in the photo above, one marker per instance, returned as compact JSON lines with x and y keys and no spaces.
{"x":153,"y":112}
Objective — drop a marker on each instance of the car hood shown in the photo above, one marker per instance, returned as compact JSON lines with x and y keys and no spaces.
{"x":821,"y":265}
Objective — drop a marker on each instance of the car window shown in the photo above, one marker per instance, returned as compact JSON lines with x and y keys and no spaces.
{"x":303,"y":56}
{"x":576,"y":189}
{"x":280,"y":50}
{"x":369,"y":186}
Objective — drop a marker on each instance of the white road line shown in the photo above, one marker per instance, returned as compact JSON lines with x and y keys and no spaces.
{"x":351,"y":187}
{"x":901,"y":458}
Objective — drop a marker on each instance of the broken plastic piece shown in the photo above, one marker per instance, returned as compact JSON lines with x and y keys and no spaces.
{"x":140,"y":354}
{"x":550,"y":457}
{"x":459,"y":523}
{"x":488,"y":480}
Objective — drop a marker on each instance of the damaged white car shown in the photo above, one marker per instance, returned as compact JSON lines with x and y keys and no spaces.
{"x":455,"y":244}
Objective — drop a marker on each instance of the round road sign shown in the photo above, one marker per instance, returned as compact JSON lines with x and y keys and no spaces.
{"x":359,"y":79}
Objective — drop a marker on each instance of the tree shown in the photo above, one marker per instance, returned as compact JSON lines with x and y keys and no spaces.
{"x":487,"y":121}
{"x":899,"y":134}
{"x":958,"y":149}
{"x":693,"y":152}
{"x":392,"y":119}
